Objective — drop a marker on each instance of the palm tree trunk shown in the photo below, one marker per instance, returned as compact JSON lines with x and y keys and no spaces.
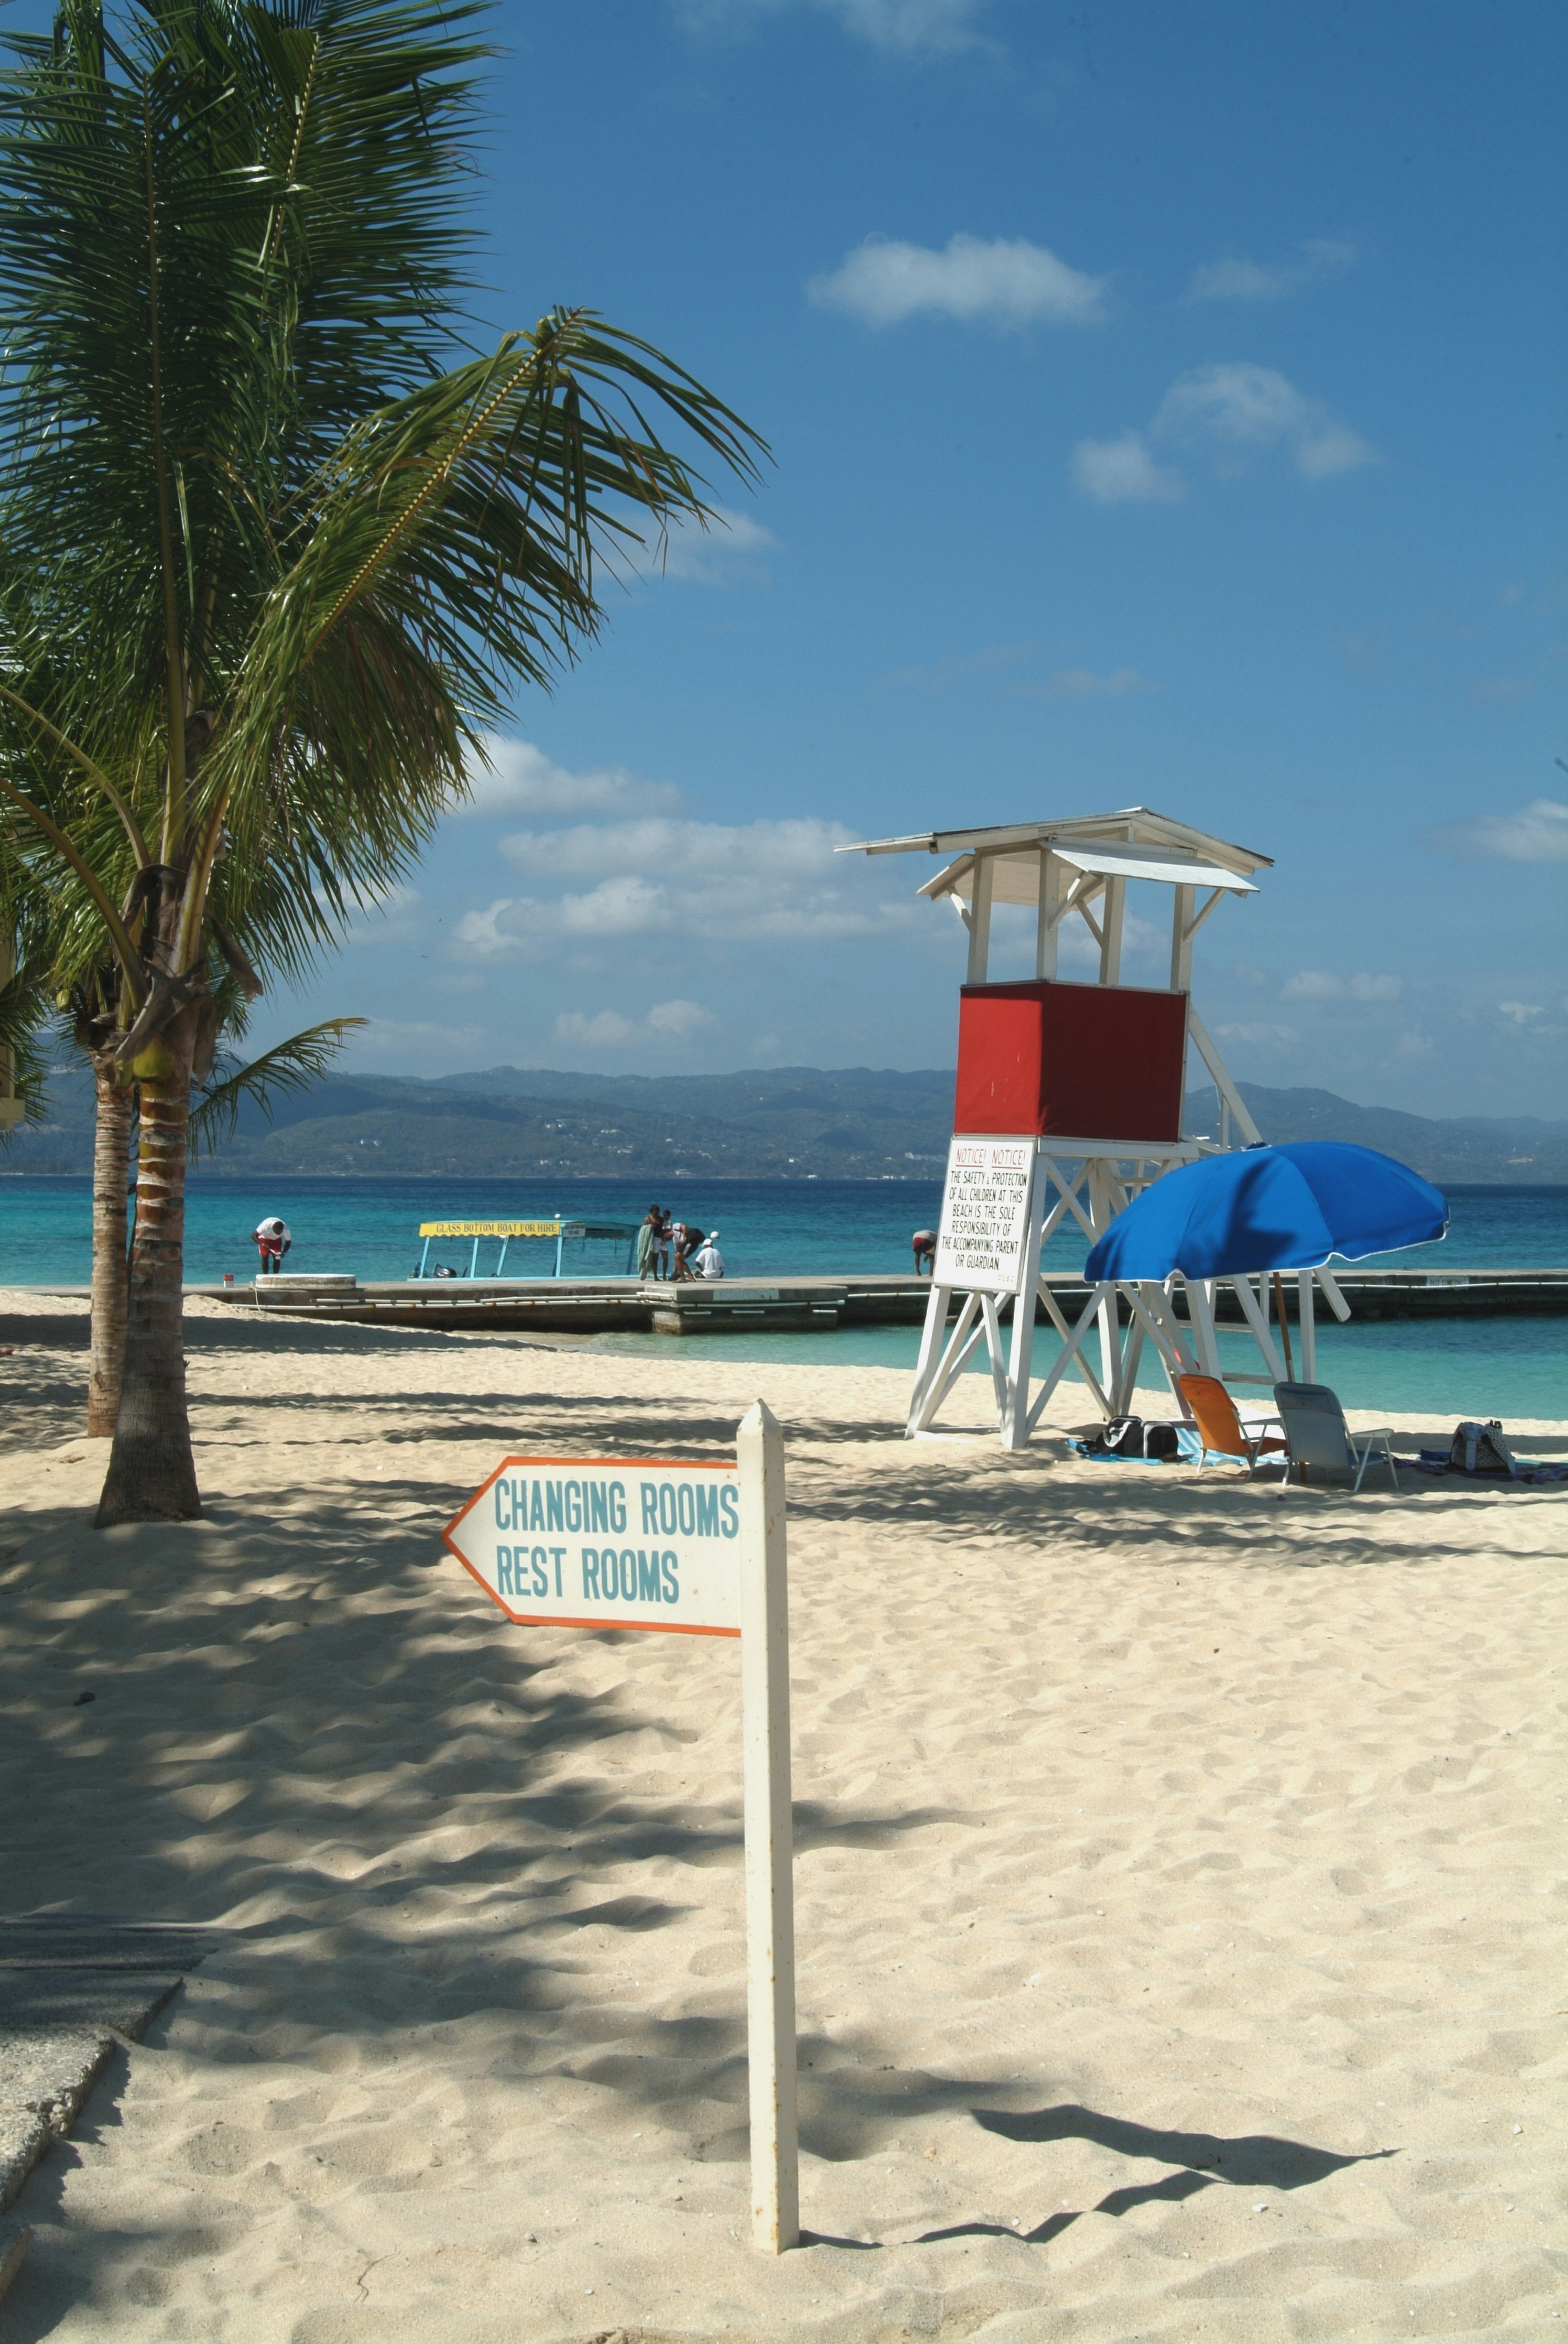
{"x":152,"y":1472}
{"x":111,"y":1172}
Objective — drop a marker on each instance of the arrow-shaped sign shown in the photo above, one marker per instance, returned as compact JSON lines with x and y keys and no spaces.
{"x":607,"y":1542}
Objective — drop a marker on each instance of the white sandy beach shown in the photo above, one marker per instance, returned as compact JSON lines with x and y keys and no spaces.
{"x":1179,"y":1880}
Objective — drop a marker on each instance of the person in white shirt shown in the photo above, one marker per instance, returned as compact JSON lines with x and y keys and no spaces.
{"x":709,"y":1261}
{"x":273,"y":1241}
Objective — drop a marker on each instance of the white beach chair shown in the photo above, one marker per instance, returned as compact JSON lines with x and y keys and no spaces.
{"x":1321,"y":1444}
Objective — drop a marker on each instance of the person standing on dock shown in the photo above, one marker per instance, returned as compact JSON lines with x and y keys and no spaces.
{"x":647,"y":1240}
{"x":925,"y":1245}
{"x":663,"y":1238}
{"x":273,"y":1241}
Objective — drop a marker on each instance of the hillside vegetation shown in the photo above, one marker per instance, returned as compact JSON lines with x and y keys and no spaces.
{"x":786,"y":1123}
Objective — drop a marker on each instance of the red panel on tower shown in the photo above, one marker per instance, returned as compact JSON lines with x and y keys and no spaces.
{"x":1081,"y":1061}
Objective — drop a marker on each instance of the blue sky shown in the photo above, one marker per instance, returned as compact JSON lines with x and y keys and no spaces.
{"x":1166,"y":407}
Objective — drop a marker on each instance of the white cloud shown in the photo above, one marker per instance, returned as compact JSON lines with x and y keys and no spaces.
{"x":1311,"y":984}
{"x":1084,"y":684}
{"x":679,"y":1018}
{"x":1123,"y":472}
{"x":666,"y":1021}
{"x":608,"y":1031}
{"x":1239,"y":410}
{"x":1416,"y":1046}
{"x":897,"y":27}
{"x":522,"y":779}
{"x":763,"y":882}
{"x":1231,"y":413}
{"x":1538,"y":832}
{"x":1521,"y":1011}
{"x":1254,"y":280}
{"x":1003,"y":283}
{"x":729,"y":552}
{"x":1317,"y":984}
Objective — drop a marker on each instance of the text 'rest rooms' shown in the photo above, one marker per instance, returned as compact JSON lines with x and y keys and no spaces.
{"x":605,"y":1509}
{"x":985,"y":1206}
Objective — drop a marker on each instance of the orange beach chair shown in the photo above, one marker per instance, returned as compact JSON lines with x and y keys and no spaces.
{"x":1221,"y":1430}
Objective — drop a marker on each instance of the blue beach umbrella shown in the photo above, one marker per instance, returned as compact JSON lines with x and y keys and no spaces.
{"x":1285,"y":1208}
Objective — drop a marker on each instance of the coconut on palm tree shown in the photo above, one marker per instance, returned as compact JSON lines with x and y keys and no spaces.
{"x":273,"y":552}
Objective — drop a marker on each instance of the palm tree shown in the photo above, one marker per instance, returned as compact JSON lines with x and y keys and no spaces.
{"x":269,"y":562}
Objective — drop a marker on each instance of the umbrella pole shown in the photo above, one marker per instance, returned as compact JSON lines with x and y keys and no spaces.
{"x":1284,"y":1329}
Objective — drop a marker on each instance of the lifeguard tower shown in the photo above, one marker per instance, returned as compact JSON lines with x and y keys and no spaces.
{"x":1069,"y":1099}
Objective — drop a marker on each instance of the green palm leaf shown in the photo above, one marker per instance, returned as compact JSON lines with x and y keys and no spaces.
{"x":291,"y":1066}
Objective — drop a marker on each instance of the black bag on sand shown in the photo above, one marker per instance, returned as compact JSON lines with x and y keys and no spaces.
{"x":1480,"y":1449}
{"x":1130,"y":1436}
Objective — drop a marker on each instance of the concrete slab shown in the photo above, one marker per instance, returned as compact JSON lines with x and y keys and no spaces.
{"x":71,"y":1986}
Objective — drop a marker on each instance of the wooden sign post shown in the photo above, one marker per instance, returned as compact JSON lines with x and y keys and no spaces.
{"x":696,"y":1550}
{"x":770,"y":1834}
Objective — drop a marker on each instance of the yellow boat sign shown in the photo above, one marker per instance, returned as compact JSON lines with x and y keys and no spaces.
{"x":489,"y":1228}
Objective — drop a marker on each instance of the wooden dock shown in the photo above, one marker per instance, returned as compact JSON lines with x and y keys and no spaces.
{"x":814,"y":1305}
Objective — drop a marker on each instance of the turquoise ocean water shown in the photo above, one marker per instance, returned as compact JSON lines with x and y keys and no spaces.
{"x":1514,"y":1367}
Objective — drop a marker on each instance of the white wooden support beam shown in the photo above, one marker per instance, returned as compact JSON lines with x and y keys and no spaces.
{"x":1131,"y":1353}
{"x":1257,"y":1319}
{"x":1070,"y":1199}
{"x":1053,"y":1312}
{"x":1307,"y":1325}
{"x":1194,"y":925}
{"x":1230,"y":1096}
{"x":990,"y":1326}
{"x":1111,"y":933}
{"x":1181,"y":940}
{"x":960,"y":1343}
{"x":933,"y":1334}
{"x":1100,"y":1214}
{"x":1020,"y":1358}
{"x":980,"y":919}
{"x":770,"y":1834}
{"x":1201,"y":1313}
{"x":1073,"y":1355}
{"x":1176,"y":1353}
{"x":1078,"y":898}
{"x":1337,"y":1303}
{"x":1049,"y":919}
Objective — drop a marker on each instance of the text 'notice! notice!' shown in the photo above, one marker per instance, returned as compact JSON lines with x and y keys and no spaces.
{"x":985,"y":1214}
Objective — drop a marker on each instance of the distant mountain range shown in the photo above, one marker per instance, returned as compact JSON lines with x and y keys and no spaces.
{"x":785,"y":1123}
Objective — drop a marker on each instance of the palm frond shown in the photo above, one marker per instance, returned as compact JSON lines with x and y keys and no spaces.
{"x":291,"y":1066}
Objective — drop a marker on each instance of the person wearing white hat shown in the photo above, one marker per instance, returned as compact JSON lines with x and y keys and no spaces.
{"x":709,"y":1262}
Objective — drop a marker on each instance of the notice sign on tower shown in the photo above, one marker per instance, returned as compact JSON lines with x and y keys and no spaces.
{"x":985,"y":1214}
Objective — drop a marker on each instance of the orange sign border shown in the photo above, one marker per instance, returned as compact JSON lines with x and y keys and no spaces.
{"x":553,"y":1620}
